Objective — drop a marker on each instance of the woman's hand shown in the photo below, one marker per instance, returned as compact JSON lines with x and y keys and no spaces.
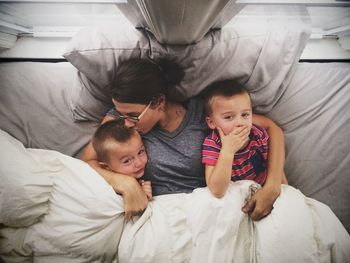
{"x":135,"y":199}
{"x":261,"y":203}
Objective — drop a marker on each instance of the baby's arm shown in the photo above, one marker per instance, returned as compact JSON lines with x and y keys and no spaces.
{"x":147,"y":188}
{"x":218,"y":177}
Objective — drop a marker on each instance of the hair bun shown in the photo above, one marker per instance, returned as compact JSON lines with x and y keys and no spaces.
{"x":172,"y":71}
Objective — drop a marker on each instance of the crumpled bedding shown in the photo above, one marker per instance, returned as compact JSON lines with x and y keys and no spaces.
{"x":82,"y":220}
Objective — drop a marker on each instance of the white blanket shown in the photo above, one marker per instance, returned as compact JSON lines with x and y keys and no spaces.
{"x":82,"y":220}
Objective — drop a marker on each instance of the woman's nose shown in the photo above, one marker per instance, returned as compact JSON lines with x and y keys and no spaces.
{"x":129,"y":124}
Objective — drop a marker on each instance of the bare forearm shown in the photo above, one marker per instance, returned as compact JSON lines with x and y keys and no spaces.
{"x":219,"y":177}
{"x":276,"y":157}
{"x":112,"y":178}
{"x":89,"y":156}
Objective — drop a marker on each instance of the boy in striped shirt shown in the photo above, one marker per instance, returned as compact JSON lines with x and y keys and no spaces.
{"x":236,"y":149}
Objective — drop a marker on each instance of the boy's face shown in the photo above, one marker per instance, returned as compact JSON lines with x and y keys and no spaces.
{"x":128,"y":158}
{"x":230,"y":112}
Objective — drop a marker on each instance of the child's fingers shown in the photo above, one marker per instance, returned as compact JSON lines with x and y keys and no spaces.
{"x":249,"y":206}
{"x":149,"y":196}
{"x":241,"y":131}
{"x":221,"y":133}
{"x":145,"y":183}
{"x":148,"y":191}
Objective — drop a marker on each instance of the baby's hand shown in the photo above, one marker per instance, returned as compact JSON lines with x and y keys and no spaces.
{"x":147,"y":188}
{"x":235,"y":140}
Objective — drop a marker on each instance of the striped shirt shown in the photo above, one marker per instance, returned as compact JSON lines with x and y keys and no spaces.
{"x":249,"y":163}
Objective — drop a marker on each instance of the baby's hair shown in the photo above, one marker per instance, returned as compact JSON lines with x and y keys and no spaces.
{"x":106,"y":134}
{"x":225,"y":88}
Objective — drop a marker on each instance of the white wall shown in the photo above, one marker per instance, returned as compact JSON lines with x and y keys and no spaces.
{"x":44,"y":30}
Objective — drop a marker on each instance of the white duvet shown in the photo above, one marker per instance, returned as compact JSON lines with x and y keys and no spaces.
{"x":54,"y":208}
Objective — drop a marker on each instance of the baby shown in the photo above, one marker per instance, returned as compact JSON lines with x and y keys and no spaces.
{"x":120,"y":149}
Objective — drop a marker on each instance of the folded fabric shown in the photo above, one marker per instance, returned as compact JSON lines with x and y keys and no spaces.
{"x":77,"y":215}
{"x":26,"y":183}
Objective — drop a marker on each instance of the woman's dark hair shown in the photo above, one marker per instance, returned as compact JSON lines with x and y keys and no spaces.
{"x":111,"y":131}
{"x":142,"y":80}
{"x":225,"y":88}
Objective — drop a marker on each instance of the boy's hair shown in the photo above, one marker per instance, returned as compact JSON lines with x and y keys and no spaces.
{"x":225,"y":88}
{"x":111,"y":131}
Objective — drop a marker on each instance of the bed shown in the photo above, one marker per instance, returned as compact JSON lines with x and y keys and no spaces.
{"x":56,"y":208}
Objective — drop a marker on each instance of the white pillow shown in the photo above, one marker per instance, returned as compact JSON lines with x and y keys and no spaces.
{"x":260,"y":59}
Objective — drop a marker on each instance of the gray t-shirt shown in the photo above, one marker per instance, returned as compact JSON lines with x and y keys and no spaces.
{"x":174,"y":158}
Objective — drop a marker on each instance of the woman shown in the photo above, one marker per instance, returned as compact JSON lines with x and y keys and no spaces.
{"x":173,"y":133}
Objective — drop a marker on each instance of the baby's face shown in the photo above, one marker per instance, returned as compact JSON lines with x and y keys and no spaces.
{"x":230,"y":112}
{"x":129,"y":158}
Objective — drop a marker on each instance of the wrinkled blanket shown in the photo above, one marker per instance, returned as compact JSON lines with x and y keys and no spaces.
{"x":55,"y":208}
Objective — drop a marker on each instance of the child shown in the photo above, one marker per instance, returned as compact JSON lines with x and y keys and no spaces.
{"x":236,"y":149}
{"x":120,"y":149}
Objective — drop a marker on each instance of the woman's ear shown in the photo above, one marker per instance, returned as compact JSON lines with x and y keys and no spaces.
{"x":159,"y":102}
{"x":210,"y":123}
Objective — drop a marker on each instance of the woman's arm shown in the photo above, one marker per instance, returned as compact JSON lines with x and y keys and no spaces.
{"x":262,"y":202}
{"x":135,"y":200}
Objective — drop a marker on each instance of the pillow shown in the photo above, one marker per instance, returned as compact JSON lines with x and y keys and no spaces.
{"x":34,"y":106}
{"x":96,"y":52}
{"x":22,"y":173}
{"x":259,"y":58}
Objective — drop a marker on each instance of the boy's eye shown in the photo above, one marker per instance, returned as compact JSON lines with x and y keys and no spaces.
{"x":229,"y":117}
{"x":127,"y":161}
{"x":142,"y":151}
{"x":246,"y":115}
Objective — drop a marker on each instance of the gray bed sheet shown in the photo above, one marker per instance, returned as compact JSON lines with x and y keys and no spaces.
{"x":34,"y":106}
{"x":313,"y":111}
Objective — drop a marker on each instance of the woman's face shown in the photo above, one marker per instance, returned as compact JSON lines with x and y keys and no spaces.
{"x":148,"y":116}
{"x":230,"y":112}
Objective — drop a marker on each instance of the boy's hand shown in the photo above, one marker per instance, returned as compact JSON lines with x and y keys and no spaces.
{"x":147,"y":188}
{"x":235,"y":140}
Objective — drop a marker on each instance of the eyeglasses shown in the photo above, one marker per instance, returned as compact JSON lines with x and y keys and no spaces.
{"x":135,"y":119}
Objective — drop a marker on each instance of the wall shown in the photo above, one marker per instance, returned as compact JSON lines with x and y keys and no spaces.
{"x":43,"y":30}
